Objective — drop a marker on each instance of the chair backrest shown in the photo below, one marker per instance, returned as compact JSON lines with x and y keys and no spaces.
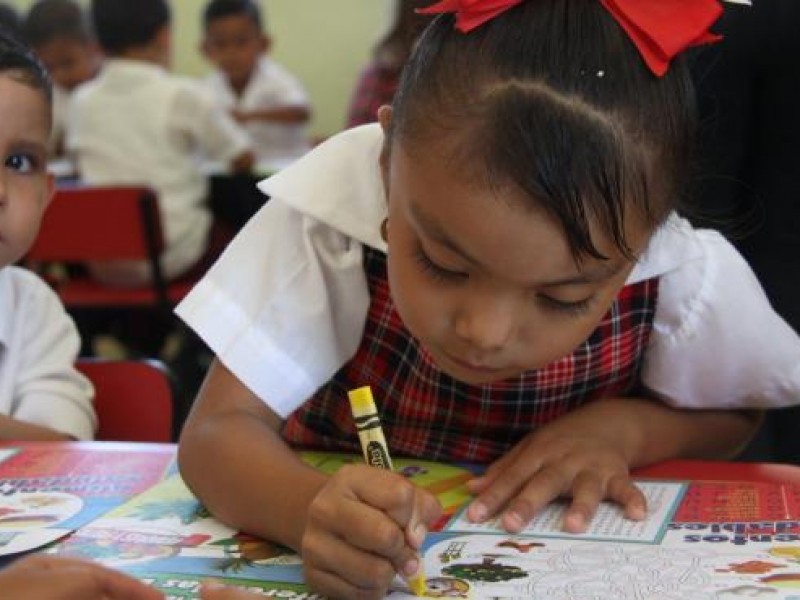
{"x":99,"y":223}
{"x":133,"y":399}
{"x":93,"y":223}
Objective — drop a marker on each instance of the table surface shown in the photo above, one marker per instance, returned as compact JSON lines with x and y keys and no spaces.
{"x":671,"y":469}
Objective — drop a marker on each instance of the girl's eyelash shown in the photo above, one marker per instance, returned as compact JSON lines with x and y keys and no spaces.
{"x":572,"y":308}
{"x":433,"y":270}
{"x":440,"y":274}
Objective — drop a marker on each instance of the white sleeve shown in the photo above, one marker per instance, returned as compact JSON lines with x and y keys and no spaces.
{"x":49,"y":391}
{"x":716,"y":341}
{"x":284,"y":307}
{"x":288,"y":91}
{"x":207,"y":125}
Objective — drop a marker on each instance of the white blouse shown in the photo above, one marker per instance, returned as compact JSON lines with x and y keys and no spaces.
{"x":38,"y":348}
{"x":284,"y":307}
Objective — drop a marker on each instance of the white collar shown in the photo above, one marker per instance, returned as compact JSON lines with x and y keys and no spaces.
{"x":339,"y":183}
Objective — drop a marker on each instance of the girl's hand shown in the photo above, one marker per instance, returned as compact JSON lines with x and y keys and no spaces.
{"x":551,"y":463}
{"x":40,"y":577}
{"x":363,"y":527}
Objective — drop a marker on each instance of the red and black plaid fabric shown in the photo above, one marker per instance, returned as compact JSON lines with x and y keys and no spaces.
{"x":428,"y":414}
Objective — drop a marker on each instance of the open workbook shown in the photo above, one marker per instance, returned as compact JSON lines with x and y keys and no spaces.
{"x":702,"y":540}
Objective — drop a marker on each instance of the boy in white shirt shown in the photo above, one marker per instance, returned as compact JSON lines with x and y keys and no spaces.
{"x":59,"y":34}
{"x":42,"y":396}
{"x":263,"y":96}
{"x":137,"y":124}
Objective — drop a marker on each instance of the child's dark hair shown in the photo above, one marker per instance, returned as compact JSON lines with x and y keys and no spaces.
{"x":219,"y":9}
{"x":124,"y":24}
{"x":18,"y":62}
{"x":48,"y":20}
{"x":557,"y":101}
{"x":9,"y":18}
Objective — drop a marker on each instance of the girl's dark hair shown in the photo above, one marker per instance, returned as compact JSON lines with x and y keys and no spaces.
{"x":124,"y":24}
{"x":553,"y":97}
{"x":20,"y":63}
{"x":219,"y":9}
{"x":48,"y":20}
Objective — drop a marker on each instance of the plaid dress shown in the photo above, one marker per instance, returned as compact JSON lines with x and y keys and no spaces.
{"x":428,"y":414}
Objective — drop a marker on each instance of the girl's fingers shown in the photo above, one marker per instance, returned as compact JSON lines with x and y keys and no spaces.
{"x":507,"y":485}
{"x":622,"y":490}
{"x":587,"y":493}
{"x":331,"y":585}
{"x":358,"y":567}
{"x":69,"y":578}
{"x":546,"y":485}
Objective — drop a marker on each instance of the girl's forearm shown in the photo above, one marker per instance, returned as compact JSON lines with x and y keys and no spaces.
{"x":248,"y":478}
{"x":648,"y":431}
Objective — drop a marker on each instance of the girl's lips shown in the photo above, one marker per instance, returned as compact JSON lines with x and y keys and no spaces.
{"x":471,"y":366}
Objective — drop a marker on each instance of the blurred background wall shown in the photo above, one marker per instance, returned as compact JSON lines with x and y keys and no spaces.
{"x":323,"y":42}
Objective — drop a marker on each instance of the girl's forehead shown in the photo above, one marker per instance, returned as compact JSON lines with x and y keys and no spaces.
{"x":451,"y":169}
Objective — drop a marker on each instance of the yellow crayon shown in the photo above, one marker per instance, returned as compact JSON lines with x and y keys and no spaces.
{"x":376,"y":453}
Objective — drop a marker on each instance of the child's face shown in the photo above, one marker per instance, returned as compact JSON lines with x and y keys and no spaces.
{"x":25,"y":185}
{"x":234,"y":44}
{"x":70,"y":62}
{"x":484,"y":280}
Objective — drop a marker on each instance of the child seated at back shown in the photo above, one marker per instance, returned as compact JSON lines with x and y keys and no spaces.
{"x":42,"y":396}
{"x":137,"y":124}
{"x":9,"y":18}
{"x":501,"y":261}
{"x":59,"y":33}
{"x":269,"y":101}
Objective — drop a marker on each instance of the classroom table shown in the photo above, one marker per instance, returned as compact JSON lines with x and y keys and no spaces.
{"x":141,"y":479}
{"x":670,"y":469}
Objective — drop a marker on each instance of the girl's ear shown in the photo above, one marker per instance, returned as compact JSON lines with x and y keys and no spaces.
{"x":385,"y":118}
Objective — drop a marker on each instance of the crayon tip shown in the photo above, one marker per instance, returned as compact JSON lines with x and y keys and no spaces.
{"x":417,"y":584}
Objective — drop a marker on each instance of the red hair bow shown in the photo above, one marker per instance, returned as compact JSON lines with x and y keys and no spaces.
{"x":660,"y":29}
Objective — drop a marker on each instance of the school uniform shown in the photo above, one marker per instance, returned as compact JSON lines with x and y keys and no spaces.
{"x":59,"y":116}
{"x":270,"y":86}
{"x":38,"y":348}
{"x":298,"y":308}
{"x":137,"y":124}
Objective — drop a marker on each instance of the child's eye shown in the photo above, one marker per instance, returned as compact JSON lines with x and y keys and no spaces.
{"x":21,"y":162}
{"x":573,"y":308}
{"x":435,"y":271}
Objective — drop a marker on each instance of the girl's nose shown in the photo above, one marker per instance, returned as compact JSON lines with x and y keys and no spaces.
{"x":486,"y":324}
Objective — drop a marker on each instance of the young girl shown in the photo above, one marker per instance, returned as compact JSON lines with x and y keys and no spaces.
{"x":500,"y":260}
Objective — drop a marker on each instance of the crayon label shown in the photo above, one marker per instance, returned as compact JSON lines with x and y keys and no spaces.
{"x":377,"y":456}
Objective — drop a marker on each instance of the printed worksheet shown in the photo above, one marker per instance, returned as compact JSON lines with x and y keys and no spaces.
{"x":608,"y":524}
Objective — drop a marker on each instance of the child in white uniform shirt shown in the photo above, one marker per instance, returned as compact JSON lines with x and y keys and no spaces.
{"x":42,"y":396}
{"x":138,"y":124}
{"x":268,"y":100}
{"x":59,"y":33}
{"x":500,"y":260}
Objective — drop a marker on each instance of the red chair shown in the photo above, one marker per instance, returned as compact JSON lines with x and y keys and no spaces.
{"x":106,"y":223}
{"x":133,"y":399}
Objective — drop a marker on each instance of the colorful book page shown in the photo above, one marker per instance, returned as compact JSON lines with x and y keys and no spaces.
{"x":165,"y":537}
{"x":739,"y":501}
{"x":47,"y":492}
